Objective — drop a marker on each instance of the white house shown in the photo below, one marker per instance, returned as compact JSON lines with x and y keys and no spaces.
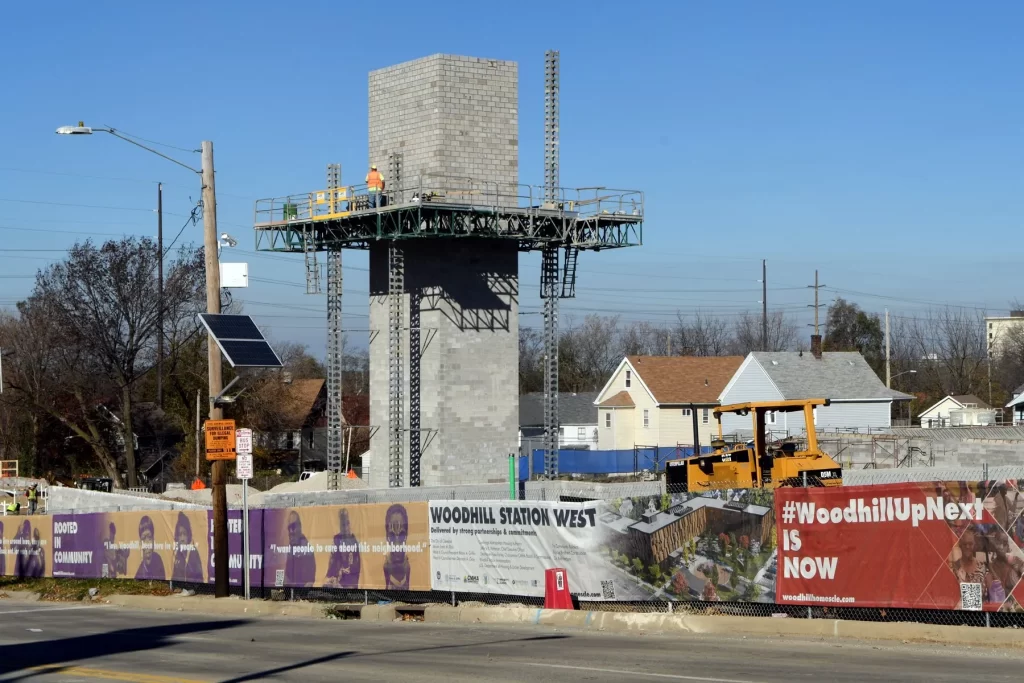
{"x":651,"y":400}
{"x":1017,"y":405}
{"x":577,"y":419}
{"x":859,"y":400}
{"x":958,"y":411}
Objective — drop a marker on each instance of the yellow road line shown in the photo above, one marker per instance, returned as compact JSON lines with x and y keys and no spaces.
{"x":110,"y":675}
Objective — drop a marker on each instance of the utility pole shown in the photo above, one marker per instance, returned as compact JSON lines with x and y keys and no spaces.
{"x":816,"y":287}
{"x":160,"y":296}
{"x":199,"y":428}
{"x":764,"y":305}
{"x":888,"y":370}
{"x":220,"y":499}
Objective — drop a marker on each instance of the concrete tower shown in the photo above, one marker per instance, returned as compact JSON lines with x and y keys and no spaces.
{"x":454,"y":121}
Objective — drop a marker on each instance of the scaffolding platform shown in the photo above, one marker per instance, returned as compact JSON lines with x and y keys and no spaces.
{"x":592,"y":218}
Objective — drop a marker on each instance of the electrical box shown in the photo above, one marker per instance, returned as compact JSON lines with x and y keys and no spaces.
{"x":234,"y":275}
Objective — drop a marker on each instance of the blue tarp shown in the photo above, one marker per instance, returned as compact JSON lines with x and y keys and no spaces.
{"x":571,"y":461}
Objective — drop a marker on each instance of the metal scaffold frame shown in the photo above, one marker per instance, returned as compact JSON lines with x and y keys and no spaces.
{"x":396,"y":291}
{"x":551,"y":120}
{"x":549,"y":292}
{"x":335,"y":369}
{"x":549,"y":287}
{"x":335,"y":342}
{"x":415,"y":353}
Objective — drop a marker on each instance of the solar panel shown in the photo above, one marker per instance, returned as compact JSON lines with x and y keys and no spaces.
{"x":249,"y":354}
{"x":241,"y":342}
{"x":231,"y":326}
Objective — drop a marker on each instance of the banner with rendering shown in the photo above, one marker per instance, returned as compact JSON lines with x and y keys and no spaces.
{"x":504,"y":547}
{"x":924,"y":545}
{"x":668,"y":547}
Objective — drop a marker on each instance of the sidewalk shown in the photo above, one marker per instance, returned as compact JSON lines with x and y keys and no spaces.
{"x":615,"y":622}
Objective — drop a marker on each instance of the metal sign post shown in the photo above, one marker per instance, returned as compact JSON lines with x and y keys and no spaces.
{"x":243,"y":470}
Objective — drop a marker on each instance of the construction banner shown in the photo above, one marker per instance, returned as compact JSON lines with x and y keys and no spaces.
{"x":235,"y":548}
{"x":668,"y":547}
{"x":158,"y":546}
{"x":923,"y":545}
{"x":25,"y":546}
{"x":377,"y":546}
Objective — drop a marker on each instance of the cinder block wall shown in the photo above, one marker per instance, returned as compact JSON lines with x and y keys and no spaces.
{"x":457,"y":118}
{"x":449,"y":116}
{"x":469,"y":365}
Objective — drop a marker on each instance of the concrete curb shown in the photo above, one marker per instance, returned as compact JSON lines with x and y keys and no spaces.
{"x":613,"y":622}
{"x":826,"y":629}
{"x":20,"y":596}
{"x":222,"y":607}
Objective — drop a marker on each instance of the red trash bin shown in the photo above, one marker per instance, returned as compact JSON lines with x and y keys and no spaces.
{"x":556,"y":590}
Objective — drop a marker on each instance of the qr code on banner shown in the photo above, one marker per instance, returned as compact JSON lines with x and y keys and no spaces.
{"x":279,"y":578}
{"x":970,"y":597}
{"x":608,"y":590}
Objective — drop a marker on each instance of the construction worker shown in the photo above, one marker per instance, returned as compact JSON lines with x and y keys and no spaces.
{"x":33,"y":498}
{"x":375,"y":186}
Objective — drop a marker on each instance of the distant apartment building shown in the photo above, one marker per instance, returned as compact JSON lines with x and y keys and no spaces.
{"x":997,"y":328}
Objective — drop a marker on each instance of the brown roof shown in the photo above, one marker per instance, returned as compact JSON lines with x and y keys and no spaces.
{"x":619,"y":400}
{"x":299,"y":400}
{"x":971,"y":398}
{"x":685,"y":379}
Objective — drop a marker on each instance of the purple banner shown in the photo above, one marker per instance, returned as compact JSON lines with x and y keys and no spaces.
{"x":235,"y":549}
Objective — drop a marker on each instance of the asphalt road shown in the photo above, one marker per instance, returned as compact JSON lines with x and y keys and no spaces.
{"x":50,"y":643}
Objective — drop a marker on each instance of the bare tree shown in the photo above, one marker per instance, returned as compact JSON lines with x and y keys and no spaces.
{"x":951,"y":345}
{"x":96,"y":314}
{"x":747,"y":333}
{"x":644,"y":339}
{"x":702,"y":335}
{"x":531,"y":356}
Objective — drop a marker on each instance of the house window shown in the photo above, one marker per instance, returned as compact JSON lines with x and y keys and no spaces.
{"x":769,"y":417}
{"x":309,"y":441}
{"x":289,"y":441}
{"x":629,"y":377}
{"x":705,"y":417}
{"x":608,"y":419}
{"x":581,"y":433}
{"x":647,"y":419}
{"x":686,"y":412}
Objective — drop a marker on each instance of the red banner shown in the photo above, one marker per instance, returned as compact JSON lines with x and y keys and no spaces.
{"x":924,"y":545}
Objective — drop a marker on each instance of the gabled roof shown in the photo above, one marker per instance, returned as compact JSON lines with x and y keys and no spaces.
{"x":298,"y":400}
{"x":838,"y":375}
{"x":960,"y":401}
{"x":619,"y":400}
{"x":678,"y":380}
{"x":573,"y":409}
{"x":964,"y":399}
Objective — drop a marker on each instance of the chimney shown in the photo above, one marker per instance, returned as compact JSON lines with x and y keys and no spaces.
{"x":816,"y":346}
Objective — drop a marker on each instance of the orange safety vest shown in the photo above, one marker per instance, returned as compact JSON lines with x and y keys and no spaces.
{"x":375,"y":181}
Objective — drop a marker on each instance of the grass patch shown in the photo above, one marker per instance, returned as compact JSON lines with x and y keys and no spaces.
{"x":72,"y":590}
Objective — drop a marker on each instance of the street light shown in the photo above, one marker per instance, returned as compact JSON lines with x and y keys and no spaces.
{"x":905,"y":372}
{"x":212,"y":265}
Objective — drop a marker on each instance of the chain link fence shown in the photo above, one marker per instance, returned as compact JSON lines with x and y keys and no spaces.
{"x":709,"y":552}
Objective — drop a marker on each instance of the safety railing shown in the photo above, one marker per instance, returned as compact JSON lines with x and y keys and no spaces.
{"x":496,"y":196}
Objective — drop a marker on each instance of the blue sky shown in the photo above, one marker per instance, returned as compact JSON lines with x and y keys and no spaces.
{"x":882,"y":143}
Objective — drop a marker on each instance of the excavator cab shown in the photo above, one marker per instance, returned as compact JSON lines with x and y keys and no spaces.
{"x":758,"y":463}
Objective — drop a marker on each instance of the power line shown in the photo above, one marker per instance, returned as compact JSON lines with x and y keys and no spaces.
{"x":80,"y":206}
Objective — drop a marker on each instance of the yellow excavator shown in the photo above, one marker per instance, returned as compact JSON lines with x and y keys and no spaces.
{"x":757,"y":464}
